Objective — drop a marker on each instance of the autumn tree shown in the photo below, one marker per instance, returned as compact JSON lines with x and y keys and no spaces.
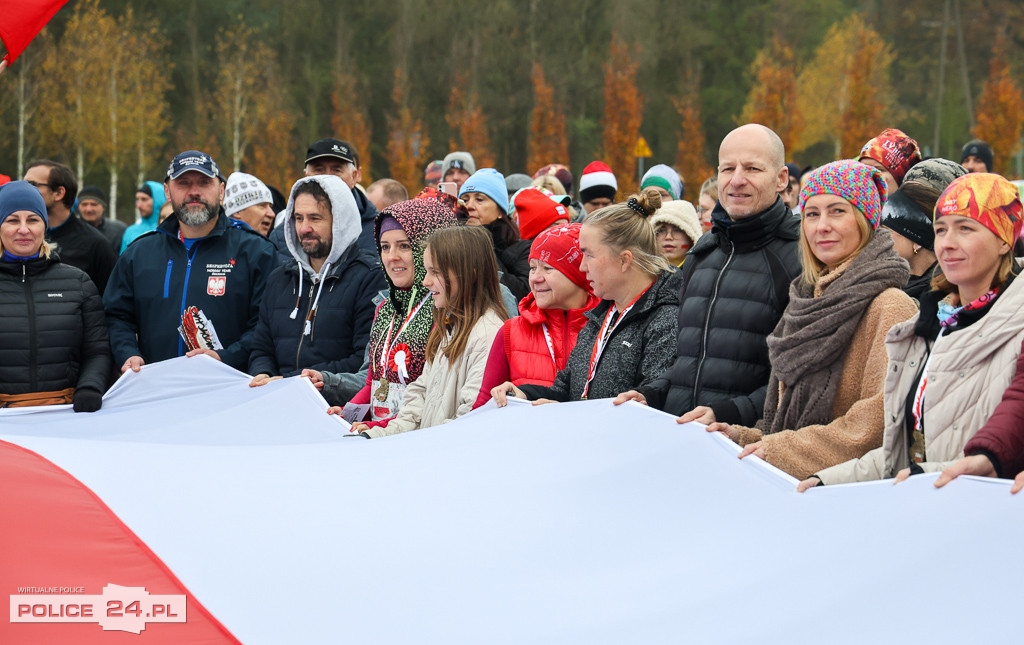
{"x":772,"y":100}
{"x":1000,"y":110}
{"x":829,"y":88}
{"x":548,"y":142}
{"x":408,"y":144}
{"x":466,"y":118}
{"x":623,"y":114}
{"x":691,"y":158}
{"x":78,"y":70}
{"x":272,"y":143}
{"x":348,"y":118}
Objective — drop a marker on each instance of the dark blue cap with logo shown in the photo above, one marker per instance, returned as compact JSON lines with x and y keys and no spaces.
{"x":193,"y":160}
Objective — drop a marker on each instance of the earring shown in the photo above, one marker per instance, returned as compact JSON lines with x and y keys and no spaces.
{"x":916,"y":249}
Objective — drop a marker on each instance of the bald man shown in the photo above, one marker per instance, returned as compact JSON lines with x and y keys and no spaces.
{"x":735,"y":287}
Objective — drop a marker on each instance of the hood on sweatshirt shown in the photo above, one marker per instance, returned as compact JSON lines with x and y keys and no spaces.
{"x":345,"y":225}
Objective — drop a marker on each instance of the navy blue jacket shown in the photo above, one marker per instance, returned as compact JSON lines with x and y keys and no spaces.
{"x":156,"y":279}
{"x":340,"y":329}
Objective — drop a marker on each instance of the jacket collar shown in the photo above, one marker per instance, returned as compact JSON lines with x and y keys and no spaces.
{"x":747,"y":234}
{"x":171,"y":226}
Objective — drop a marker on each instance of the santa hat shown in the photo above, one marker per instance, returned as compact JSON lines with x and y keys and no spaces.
{"x":597,"y":180}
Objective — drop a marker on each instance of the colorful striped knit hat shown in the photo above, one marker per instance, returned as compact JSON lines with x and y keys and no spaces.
{"x":862,"y":186}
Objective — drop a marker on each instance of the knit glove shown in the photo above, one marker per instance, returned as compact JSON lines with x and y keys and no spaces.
{"x":87,"y":400}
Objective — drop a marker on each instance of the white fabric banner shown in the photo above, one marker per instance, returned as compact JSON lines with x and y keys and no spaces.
{"x":579,"y":522}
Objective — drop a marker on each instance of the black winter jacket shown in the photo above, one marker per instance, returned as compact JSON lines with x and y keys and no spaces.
{"x":735,"y":288}
{"x":340,"y":329}
{"x":156,"y":279}
{"x":52,"y":331}
{"x":80,"y":245}
{"x":637,"y":351}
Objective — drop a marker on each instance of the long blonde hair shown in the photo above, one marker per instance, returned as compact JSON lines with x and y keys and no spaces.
{"x":812,"y":266}
{"x":467,"y":254}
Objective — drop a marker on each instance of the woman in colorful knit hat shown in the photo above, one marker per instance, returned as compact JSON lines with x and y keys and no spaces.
{"x":824,"y":398}
{"x":942,"y":382}
{"x":892,"y":153}
{"x":535,"y":345}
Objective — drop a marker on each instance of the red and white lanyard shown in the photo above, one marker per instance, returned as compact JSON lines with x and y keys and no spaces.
{"x":918,"y":407}
{"x":551,"y":347}
{"x":388,"y":345}
{"x":607,"y":329}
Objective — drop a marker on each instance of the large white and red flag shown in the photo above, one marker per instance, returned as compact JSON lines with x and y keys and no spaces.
{"x":194,"y":509}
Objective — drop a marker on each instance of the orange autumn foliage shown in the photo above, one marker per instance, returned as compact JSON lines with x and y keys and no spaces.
{"x":864,"y":116}
{"x":691,"y":159}
{"x":349,"y":122}
{"x":466,"y":118}
{"x":772,"y":100}
{"x":548,"y":143}
{"x":623,"y":114}
{"x":1000,"y":110}
{"x":408,"y":143}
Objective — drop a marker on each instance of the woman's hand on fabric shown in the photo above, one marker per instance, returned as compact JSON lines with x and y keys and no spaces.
{"x":756,"y":449}
{"x":1018,"y":483}
{"x":632,"y":395}
{"x":358,"y":428}
{"x":700,"y":414}
{"x":501,"y":392}
{"x":901,"y":476}
{"x":810,"y":482}
{"x":977,"y":465}
{"x":732,"y":433}
{"x":315,"y":377}
{"x":544,"y":401}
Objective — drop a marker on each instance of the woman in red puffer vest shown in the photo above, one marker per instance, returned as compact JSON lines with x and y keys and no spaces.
{"x":534,"y":346}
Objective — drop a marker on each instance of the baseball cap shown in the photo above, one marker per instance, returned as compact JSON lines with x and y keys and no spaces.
{"x":332,"y":148}
{"x":193,"y":160}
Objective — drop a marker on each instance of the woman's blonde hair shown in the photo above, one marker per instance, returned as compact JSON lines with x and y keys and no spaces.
{"x":627,"y":229}
{"x":46,"y":250}
{"x":467,"y":254}
{"x":812,"y":266}
{"x":710,"y":186}
{"x":550,"y":182}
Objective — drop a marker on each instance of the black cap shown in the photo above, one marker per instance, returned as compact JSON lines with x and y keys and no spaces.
{"x":332,"y":148}
{"x":981,"y":150}
{"x":95,"y":193}
{"x":193,"y":160}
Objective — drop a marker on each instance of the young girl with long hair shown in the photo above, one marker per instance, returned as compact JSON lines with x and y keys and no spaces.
{"x":462,"y":279}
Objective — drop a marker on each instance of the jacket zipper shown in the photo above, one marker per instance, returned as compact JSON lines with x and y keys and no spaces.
{"x":302,"y":335}
{"x":707,"y":322}
{"x":32,"y":345}
{"x":184,"y":289}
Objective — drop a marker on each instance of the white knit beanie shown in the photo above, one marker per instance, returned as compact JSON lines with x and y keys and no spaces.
{"x":242,"y":191}
{"x":681,"y":214}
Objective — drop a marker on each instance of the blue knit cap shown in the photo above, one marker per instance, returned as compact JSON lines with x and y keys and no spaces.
{"x":21,"y":196}
{"x":490,"y":182}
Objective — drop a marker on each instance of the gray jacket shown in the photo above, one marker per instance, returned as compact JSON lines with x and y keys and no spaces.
{"x":639,"y":350}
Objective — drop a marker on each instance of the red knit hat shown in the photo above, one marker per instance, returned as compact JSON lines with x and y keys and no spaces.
{"x":560,"y":248}
{"x":536,"y":211}
{"x":894,"y":150}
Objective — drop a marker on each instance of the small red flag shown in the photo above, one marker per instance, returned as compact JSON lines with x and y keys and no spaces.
{"x":22,"y":20}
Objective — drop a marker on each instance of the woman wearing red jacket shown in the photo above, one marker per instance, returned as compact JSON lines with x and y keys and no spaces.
{"x":534,"y":346}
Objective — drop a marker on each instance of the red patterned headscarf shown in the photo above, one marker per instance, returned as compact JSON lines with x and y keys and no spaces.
{"x":560,"y":248}
{"x":989,"y":199}
{"x":894,"y":150}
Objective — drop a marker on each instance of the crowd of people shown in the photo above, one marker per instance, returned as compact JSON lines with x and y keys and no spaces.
{"x":818,"y":317}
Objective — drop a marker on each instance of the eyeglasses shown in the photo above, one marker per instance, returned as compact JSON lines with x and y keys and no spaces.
{"x":39,"y":185}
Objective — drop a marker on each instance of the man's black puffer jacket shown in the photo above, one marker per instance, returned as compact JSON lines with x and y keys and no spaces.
{"x":735,"y":288}
{"x":53,"y":334}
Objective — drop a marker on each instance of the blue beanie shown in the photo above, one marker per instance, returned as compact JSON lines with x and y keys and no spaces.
{"x":490,"y":182}
{"x":21,"y":196}
{"x":665,"y":177}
